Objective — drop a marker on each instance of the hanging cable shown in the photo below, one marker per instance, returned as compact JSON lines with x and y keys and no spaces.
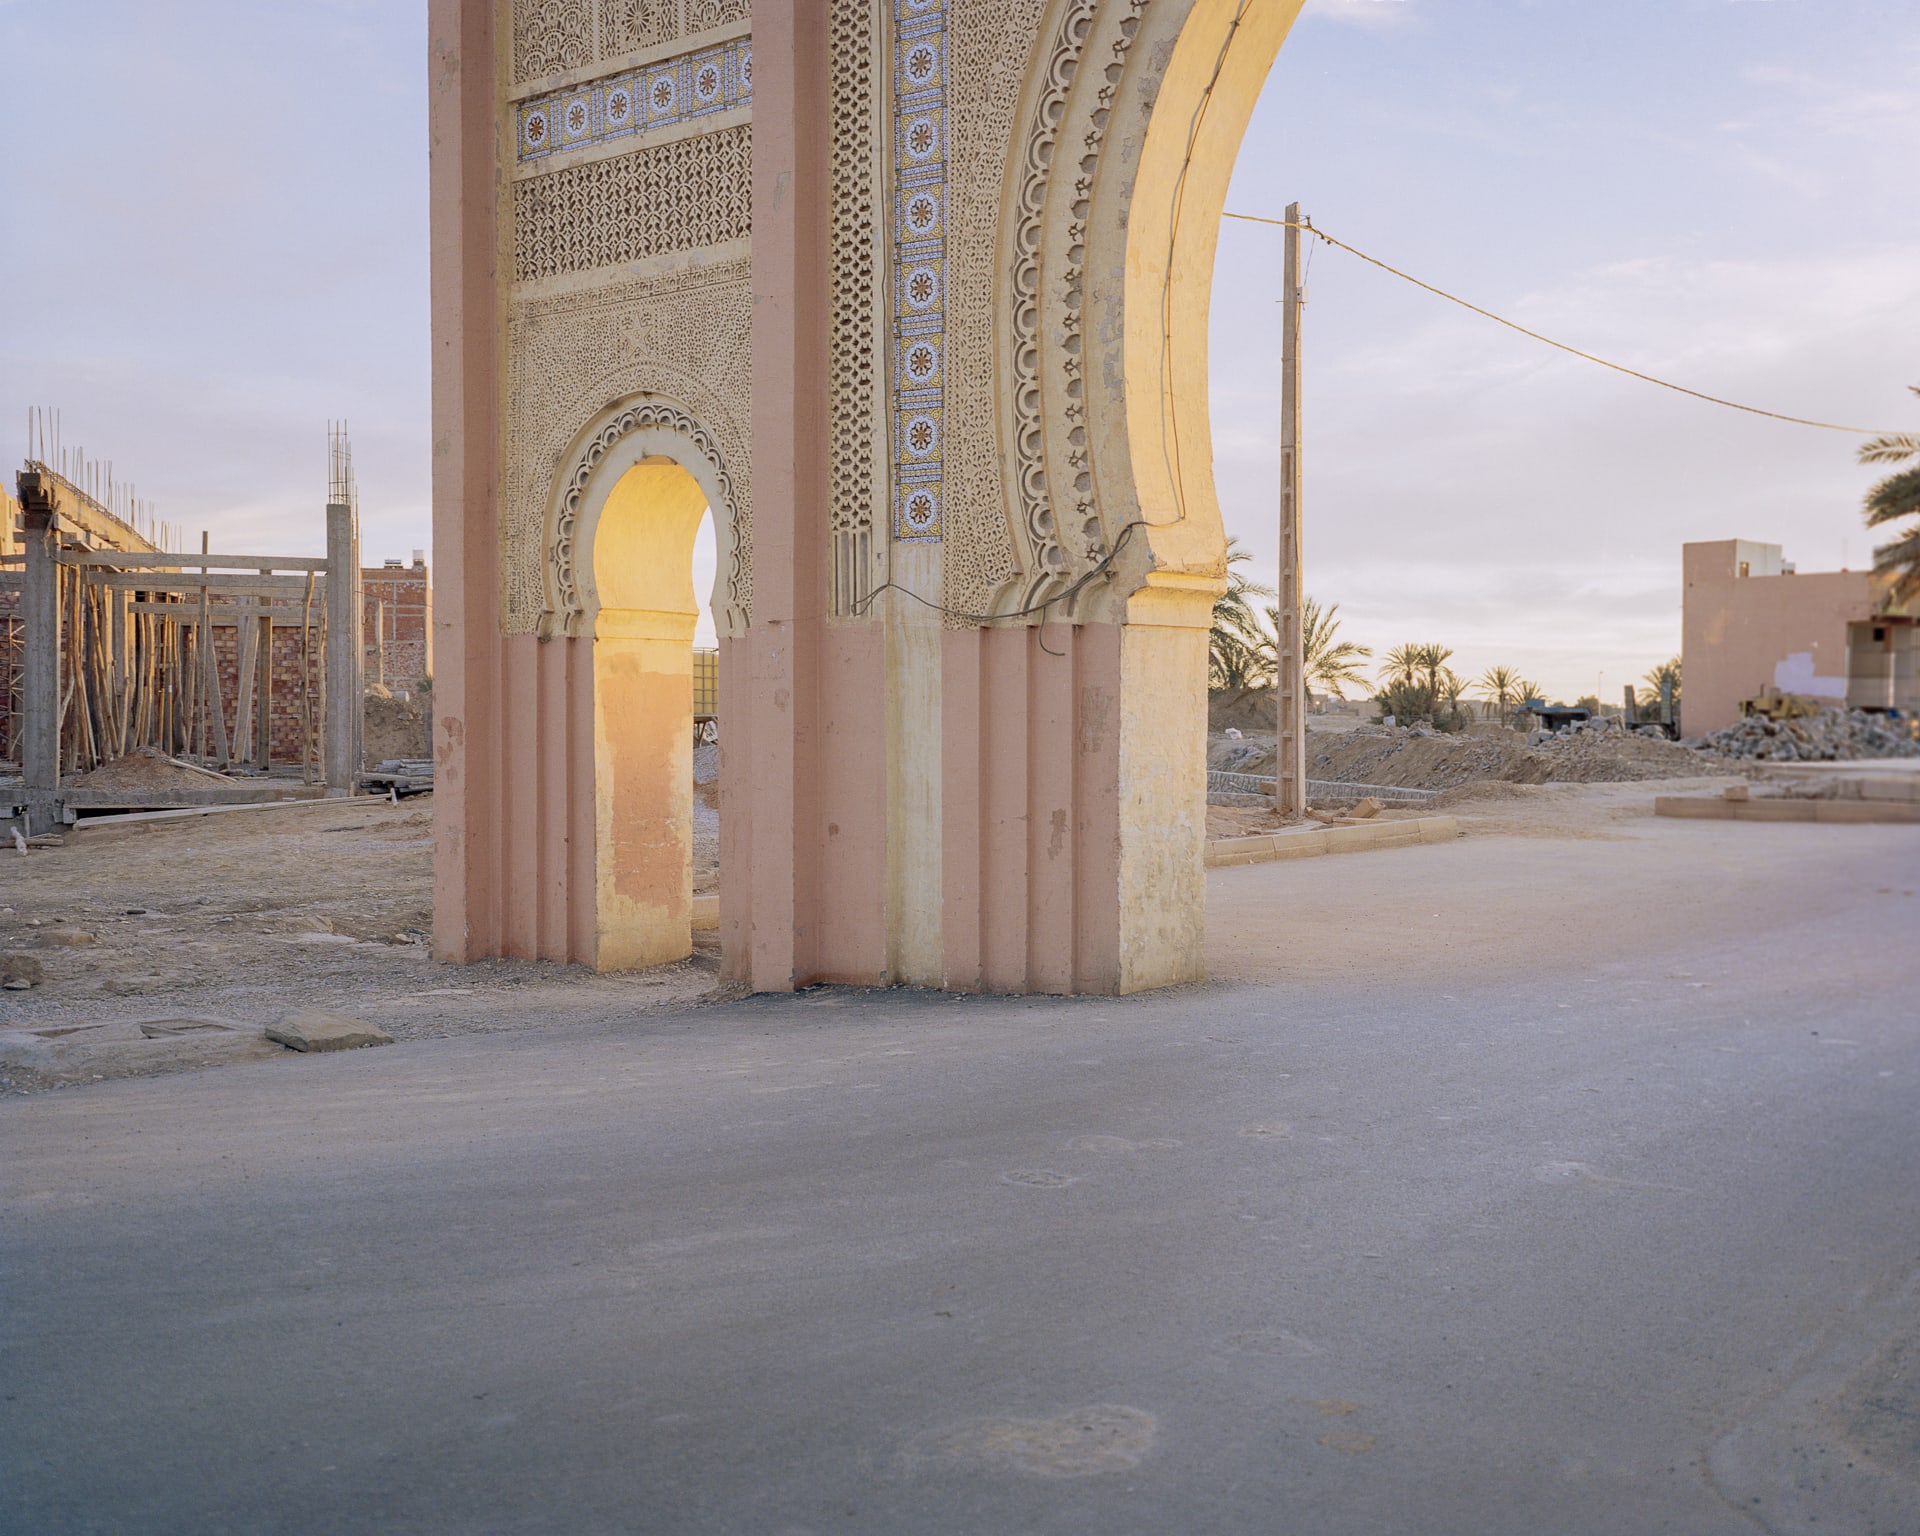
{"x":1633,"y":373}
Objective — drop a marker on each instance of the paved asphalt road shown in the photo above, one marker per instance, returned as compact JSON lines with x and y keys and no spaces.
{"x":1597,"y":1224}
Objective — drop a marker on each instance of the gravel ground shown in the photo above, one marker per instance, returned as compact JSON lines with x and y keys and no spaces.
{"x":243,"y":915}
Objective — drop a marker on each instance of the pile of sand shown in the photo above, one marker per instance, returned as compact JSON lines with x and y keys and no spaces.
{"x":396,"y":728}
{"x":1423,"y":759}
{"x":148,"y":768}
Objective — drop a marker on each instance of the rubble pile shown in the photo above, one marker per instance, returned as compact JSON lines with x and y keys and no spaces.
{"x":1419,"y":757}
{"x":1833,"y":735}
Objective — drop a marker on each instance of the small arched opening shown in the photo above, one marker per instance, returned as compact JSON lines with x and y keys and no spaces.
{"x":648,"y":510}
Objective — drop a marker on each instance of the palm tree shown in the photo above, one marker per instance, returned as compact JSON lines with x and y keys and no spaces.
{"x":1500,"y":687}
{"x":1668,"y":672}
{"x":1329,"y":662}
{"x":1433,"y":661}
{"x":1403,"y":664}
{"x":1416,"y":683}
{"x":1237,"y":647}
{"x":1893,"y":498}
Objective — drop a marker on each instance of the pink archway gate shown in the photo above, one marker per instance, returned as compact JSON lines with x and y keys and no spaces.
{"x":933,"y":276}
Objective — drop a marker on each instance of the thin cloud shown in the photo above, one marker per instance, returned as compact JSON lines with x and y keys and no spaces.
{"x":1364,"y":13}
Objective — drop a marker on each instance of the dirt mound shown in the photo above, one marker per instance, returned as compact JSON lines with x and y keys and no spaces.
{"x":1479,"y":790}
{"x":397,"y":728}
{"x":148,"y":768}
{"x":1424,"y":759}
{"x":1244,"y":709}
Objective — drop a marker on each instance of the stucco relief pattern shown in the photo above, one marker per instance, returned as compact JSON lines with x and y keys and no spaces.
{"x":859,"y":337}
{"x":629,"y":24}
{"x":705,"y":14}
{"x":636,"y":102}
{"x":680,"y":196}
{"x":1060,"y":61}
{"x":684,"y":339}
{"x":1089,"y":127}
{"x":989,"y":45}
{"x":550,"y":37}
{"x":919,"y":275}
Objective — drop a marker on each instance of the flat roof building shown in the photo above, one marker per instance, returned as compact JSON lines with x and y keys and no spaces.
{"x":1752,"y":624}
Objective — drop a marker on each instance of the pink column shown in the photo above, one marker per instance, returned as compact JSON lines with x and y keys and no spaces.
{"x":464,"y":220}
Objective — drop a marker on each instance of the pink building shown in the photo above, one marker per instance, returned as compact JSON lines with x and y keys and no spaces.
{"x":1752,"y":623}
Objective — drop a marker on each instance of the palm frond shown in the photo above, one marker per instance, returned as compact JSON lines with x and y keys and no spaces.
{"x":1900,"y":561}
{"x":1896,"y":496}
{"x":1891,"y":449}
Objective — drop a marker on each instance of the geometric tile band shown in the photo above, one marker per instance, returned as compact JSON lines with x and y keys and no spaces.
{"x":918,"y":258}
{"x":638,"y":101}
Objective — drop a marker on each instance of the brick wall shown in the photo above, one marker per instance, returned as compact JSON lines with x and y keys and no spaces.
{"x":402,"y":596}
{"x":289,"y":711}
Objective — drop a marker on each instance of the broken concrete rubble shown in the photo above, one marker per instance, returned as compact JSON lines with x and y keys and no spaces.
{"x":1832,"y":735}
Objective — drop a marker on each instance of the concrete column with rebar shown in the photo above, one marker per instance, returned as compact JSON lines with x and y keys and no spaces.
{"x":40,"y":613}
{"x":344,"y":656}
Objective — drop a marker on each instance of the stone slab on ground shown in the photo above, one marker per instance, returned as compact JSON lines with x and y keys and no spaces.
{"x":57,"y":1052}
{"x":310,"y":1029}
{"x":1309,"y":842}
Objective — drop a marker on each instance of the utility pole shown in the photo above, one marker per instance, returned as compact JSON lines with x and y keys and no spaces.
{"x":1290,"y":684}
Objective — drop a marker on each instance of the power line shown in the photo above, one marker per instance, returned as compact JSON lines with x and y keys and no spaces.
{"x":1633,"y":373}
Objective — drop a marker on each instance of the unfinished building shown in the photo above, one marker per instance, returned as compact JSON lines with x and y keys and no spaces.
{"x":245,"y":669}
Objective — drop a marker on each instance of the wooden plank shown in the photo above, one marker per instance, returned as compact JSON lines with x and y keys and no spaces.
{"x":123,"y":560}
{"x":243,"y":671}
{"x":257,"y":586}
{"x":243,"y":792}
{"x":263,"y":687}
{"x":226,"y":616}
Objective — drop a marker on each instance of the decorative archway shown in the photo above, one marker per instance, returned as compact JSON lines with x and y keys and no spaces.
{"x":630,"y":433}
{"x":621,"y":529}
{"x":967,"y":248}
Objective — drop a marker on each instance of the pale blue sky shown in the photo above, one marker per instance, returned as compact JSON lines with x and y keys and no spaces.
{"x":213,"y":238}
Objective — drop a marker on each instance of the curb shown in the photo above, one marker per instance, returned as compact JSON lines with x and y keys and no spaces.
{"x":1266,"y":847}
{"x":1831,"y":811}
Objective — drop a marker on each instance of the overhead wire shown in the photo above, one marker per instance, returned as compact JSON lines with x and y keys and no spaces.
{"x":1307,"y":226}
{"x":1170,"y":437}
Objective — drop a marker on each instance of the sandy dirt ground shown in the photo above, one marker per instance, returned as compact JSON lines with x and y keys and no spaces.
{"x":241,"y":916}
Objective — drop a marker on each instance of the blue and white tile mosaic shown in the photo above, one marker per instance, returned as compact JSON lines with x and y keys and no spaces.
{"x":638,"y":101}
{"x":919,"y":262}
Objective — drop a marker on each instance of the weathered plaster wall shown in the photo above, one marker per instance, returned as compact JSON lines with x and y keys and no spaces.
{"x":1741,"y":635}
